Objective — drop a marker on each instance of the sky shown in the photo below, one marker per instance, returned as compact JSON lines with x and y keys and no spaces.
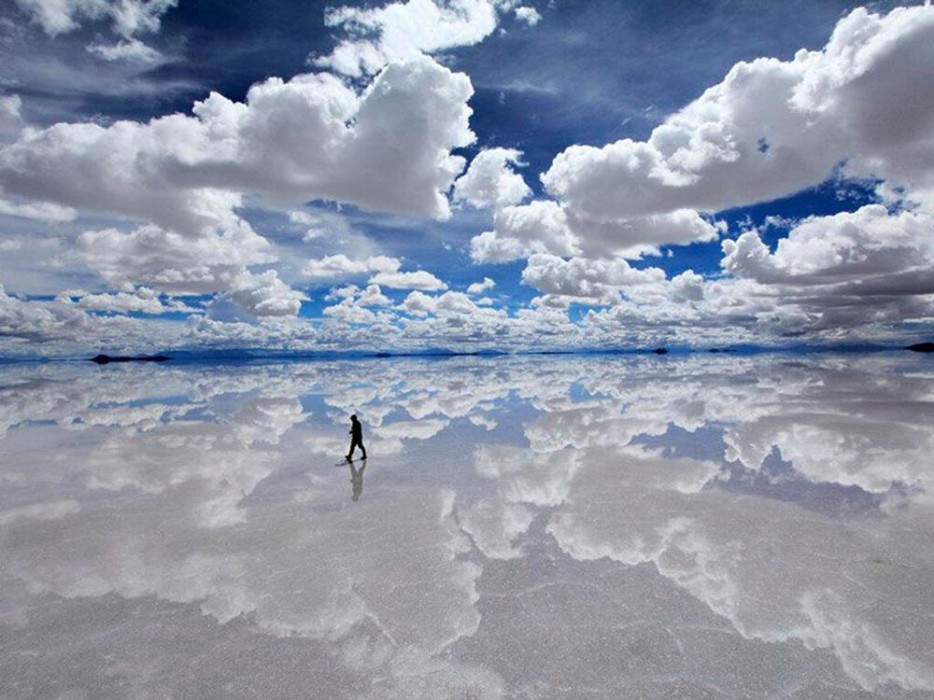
{"x":465,"y":175}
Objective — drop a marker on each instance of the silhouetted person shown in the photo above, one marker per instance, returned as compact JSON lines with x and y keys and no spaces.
{"x":356,"y":437}
{"x":356,"y":479}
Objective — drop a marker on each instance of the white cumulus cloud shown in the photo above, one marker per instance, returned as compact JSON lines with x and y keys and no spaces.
{"x":481,"y":287}
{"x":142,"y":300}
{"x":420,"y":279}
{"x":773,"y":127}
{"x":520,"y":231}
{"x":595,"y":281}
{"x":312,"y":137}
{"x":265,"y":295}
{"x":491,"y":181}
{"x":528,"y":14}
{"x":340,"y":266}
{"x":400,"y":31}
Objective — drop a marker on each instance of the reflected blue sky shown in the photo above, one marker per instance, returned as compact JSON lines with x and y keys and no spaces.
{"x":696,"y":526}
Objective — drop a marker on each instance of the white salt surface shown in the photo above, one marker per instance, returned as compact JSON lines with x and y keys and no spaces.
{"x":708,"y":526}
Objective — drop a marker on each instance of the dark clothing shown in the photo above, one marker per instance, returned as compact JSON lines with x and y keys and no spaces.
{"x":356,"y":438}
{"x":353,"y":445}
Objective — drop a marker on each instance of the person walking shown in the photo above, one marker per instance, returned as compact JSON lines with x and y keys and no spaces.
{"x":356,"y":438}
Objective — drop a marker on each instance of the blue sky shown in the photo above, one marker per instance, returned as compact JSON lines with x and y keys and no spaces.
{"x":467,"y":174}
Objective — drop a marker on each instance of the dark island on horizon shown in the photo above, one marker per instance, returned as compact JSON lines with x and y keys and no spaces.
{"x":261,"y":355}
{"x":106,"y":359}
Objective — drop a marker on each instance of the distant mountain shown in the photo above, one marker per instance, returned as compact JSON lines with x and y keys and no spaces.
{"x":921,"y":347}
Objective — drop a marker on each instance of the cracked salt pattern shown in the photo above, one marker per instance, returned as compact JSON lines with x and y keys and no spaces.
{"x":525,"y":527}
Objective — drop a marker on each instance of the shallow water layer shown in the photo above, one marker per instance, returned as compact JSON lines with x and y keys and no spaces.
{"x":527,"y":527}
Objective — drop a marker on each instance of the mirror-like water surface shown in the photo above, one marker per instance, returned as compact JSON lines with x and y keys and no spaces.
{"x":530,"y":527}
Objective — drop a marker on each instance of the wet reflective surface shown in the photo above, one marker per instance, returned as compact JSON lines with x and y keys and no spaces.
{"x":535,"y":527}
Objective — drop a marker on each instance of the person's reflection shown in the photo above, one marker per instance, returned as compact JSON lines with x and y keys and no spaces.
{"x":356,"y":480}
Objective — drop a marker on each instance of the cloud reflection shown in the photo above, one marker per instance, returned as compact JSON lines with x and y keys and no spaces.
{"x":219,"y":488}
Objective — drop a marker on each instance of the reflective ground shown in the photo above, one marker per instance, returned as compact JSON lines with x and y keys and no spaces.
{"x":535,"y":527}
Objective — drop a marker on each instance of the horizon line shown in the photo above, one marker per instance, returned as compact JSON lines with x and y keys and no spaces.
{"x":259,"y":354}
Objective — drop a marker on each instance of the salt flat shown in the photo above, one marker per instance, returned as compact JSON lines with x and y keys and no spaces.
{"x":703,"y":526}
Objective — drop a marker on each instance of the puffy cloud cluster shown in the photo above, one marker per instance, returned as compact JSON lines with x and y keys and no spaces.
{"x":546,"y":226}
{"x":226,"y":327}
{"x":174,"y":192}
{"x":521,"y":231}
{"x":142,"y":300}
{"x":480,"y":287}
{"x":491,"y":181}
{"x":21,"y":320}
{"x":454,"y":308}
{"x":340,"y":266}
{"x":870,"y":251}
{"x":53,"y":327}
{"x":594,"y":282}
{"x":384,"y":271}
{"x":173,"y":262}
{"x":355,"y":304}
{"x":420,"y":279}
{"x":553,"y":227}
{"x":399,"y":31}
{"x":372,"y":295}
{"x":265,"y":294}
{"x":861,"y":107}
{"x":845,"y":270}
{"x":772,"y":127}
{"x":386,"y":147}
{"x":528,"y":14}
{"x":312,"y":137}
